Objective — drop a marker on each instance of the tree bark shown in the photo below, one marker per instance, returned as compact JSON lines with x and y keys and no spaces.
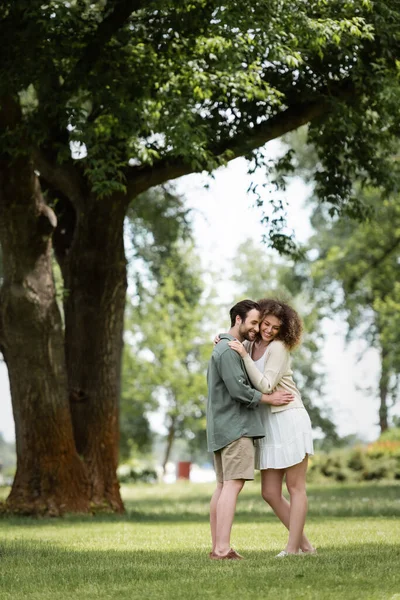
{"x":383,"y":392}
{"x":50,"y":478}
{"x":95,"y":280}
{"x":170,"y":442}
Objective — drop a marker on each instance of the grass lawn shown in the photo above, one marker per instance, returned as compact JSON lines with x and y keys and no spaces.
{"x":159,"y":549}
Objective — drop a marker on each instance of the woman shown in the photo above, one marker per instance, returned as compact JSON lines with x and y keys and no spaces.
{"x":288,"y":436}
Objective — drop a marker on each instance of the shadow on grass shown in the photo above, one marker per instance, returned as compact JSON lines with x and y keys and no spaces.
{"x":191,"y":504}
{"x":335,"y":501}
{"x":354,"y":571}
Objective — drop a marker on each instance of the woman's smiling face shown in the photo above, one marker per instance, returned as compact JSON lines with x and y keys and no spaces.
{"x":269,"y":328}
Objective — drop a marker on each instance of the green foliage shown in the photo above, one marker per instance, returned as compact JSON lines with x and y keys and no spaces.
{"x":391,"y":435}
{"x":387,"y":446}
{"x":356,"y":273}
{"x":189,"y":85}
{"x":167,"y":334}
{"x":136,"y":401}
{"x":354,"y":270}
{"x":156,"y":220}
{"x":380,"y":460}
{"x":135,"y":472}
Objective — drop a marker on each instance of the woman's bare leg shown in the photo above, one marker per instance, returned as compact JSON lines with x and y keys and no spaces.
{"x":271,"y":490}
{"x":296,"y":486}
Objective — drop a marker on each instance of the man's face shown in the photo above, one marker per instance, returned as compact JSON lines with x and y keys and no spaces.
{"x":250,"y":326}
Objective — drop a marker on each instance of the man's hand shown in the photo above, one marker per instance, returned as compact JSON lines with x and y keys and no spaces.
{"x":238,"y":347}
{"x":278,"y":398}
{"x":217,"y":339}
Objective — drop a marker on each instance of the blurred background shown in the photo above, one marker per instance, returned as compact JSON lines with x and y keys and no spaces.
{"x":206,"y":251}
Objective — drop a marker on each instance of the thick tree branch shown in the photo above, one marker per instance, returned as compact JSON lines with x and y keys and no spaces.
{"x":142,"y":178}
{"x":123,"y":9}
{"x":139,"y":179}
{"x":10,"y":112}
{"x":66,"y":177}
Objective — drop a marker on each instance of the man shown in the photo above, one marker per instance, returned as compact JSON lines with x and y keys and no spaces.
{"x":233,"y":422}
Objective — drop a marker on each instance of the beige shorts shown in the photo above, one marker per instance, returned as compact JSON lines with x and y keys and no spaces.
{"x":235,"y":461}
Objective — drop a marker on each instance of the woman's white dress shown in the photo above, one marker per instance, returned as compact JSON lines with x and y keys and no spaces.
{"x":288,"y":435}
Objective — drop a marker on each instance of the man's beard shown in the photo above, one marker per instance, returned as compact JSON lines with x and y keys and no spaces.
{"x":247,"y":334}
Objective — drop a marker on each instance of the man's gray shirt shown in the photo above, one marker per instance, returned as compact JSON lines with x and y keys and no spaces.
{"x":232,"y":407}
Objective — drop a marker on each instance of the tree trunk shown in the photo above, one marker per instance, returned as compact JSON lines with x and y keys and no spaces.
{"x":170,"y":442}
{"x":383,"y":392}
{"x":50,"y":478}
{"x":94,"y":270}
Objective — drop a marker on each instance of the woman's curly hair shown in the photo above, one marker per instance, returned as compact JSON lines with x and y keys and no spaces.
{"x":291,"y":327}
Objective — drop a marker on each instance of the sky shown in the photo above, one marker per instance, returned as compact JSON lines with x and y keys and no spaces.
{"x":223,"y":216}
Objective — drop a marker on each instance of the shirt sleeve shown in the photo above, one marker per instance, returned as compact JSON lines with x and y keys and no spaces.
{"x":232,"y":371}
{"x":276,"y":366}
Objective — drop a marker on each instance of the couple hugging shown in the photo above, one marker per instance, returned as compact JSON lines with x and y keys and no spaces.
{"x":256,"y":418}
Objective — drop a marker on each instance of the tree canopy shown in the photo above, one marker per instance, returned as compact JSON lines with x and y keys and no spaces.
{"x":133,"y":94}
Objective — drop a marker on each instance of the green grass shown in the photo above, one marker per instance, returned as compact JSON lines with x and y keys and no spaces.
{"x":159,"y":549}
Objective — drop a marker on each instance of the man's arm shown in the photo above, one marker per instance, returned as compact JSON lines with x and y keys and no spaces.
{"x":231,"y":369}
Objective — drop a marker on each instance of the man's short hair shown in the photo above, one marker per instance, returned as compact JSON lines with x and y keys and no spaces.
{"x":242,"y":309}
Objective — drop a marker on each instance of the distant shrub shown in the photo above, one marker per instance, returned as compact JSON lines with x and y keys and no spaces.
{"x":380,"y":468}
{"x":385,"y":453}
{"x":128,"y":473}
{"x":380,"y":460}
{"x":391,"y":435}
{"x":357,"y":460}
{"x":332,"y":465}
{"x":384,"y":448}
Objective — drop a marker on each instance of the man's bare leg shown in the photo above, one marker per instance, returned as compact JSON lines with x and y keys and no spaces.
{"x":226,"y":506}
{"x":213,"y":513}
